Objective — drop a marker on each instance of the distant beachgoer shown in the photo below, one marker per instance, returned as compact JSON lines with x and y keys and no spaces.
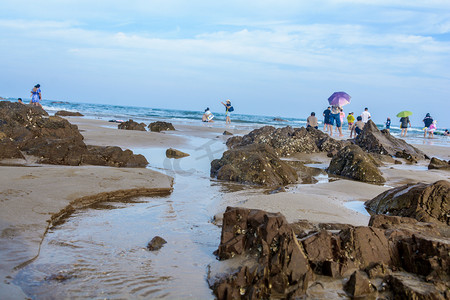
{"x":404,"y":121}
{"x":446,"y":132}
{"x":335,"y":116}
{"x":207,"y":116}
{"x":228,"y":110}
{"x":358,"y":126}
{"x":427,"y":121}
{"x":431,"y":129}
{"x":388,"y":124}
{"x":312,"y":121}
{"x":365,"y":115}
{"x":326,"y":118}
{"x":350,"y":121}
{"x":36,"y":95}
{"x":20,"y":100}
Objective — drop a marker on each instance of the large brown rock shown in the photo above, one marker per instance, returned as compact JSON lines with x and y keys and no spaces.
{"x":287,"y":140}
{"x":424,"y":202}
{"x":358,"y":285}
{"x":407,"y":286}
{"x":132,"y":125}
{"x":65,"y":113}
{"x":439,"y":164}
{"x":256,"y":164}
{"x":174,"y":153}
{"x":352,"y":162}
{"x":282,"y":268}
{"x":371,"y":139}
{"x":160,"y":126}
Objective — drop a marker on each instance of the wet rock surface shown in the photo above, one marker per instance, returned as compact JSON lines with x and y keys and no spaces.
{"x":424,"y":202}
{"x":390,"y":257}
{"x":255,"y":164}
{"x":65,"y":113}
{"x":53,"y":140}
{"x":160,"y":126}
{"x":156,"y":243}
{"x":132,"y":125}
{"x":372,"y":140}
{"x":287,"y":140}
{"x":174,"y":153}
{"x":439,"y":164}
{"x":352,"y":162}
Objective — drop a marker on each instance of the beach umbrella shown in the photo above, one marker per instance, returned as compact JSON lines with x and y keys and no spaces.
{"x":339,"y":98}
{"x":405,"y":113}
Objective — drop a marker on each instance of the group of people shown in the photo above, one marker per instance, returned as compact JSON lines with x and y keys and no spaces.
{"x":208,"y":116}
{"x":36,"y":96}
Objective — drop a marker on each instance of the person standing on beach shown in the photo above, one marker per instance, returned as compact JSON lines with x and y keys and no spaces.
{"x":388,"y":124}
{"x":326,"y":118}
{"x":228,"y":110}
{"x":341,"y":116}
{"x":365,"y":115}
{"x":36,"y":95}
{"x":312,"y":121}
{"x":335,"y":116}
{"x":427,"y":122}
{"x":404,"y":121}
{"x":350,"y":121}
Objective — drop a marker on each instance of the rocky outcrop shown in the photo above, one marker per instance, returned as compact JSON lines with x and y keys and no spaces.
{"x":372,"y":140}
{"x":281,"y":266}
{"x":255,"y":164}
{"x":156,"y":243}
{"x":53,"y":140}
{"x":354,"y":163}
{"x":287,"y":140}
{"x":393,"y":255}
{"x":160,"y":126}
{"x":439,"y":164}
{"x":65,"y":113}
{"x":424,"y":202}
{"x":174,"y":153}
{"x":132,"y":125}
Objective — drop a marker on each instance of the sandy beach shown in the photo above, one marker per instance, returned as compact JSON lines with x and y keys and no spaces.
{"x":35,"y":196}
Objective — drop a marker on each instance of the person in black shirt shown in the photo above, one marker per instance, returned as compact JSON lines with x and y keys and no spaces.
{"x":427,"y":121}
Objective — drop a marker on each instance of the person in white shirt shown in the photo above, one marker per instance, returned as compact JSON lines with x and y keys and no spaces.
{"x":365,"y":115}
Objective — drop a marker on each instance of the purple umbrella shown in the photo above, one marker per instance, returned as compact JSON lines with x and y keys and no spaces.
{"x":339,"y":98}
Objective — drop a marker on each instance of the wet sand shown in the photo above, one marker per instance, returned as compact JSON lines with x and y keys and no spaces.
{"x":31,"y":195}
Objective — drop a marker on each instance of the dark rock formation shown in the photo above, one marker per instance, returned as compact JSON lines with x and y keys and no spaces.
{"x":352,"y":162}
{"x":227,"y":133}
{"x":287,"y":140}
{"x":282,"y":267}
{"x":132,"y":125}
{"x":156,"y":243}
{"x":439,"y":164}
{"x":160,"y":126}
{"x":65,"y":113}
{"x":257,"y":164}
{"x":424,"y":202}
{"x":173,"y":153}
{"x":399,"y":255}
{"x":53,"y":140}
{"x":371,"y":139}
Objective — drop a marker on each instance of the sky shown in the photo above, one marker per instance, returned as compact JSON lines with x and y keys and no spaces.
{"x":276,"y":58}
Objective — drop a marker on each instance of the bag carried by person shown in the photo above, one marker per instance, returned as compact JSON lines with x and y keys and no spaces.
{"x":231,"y":109}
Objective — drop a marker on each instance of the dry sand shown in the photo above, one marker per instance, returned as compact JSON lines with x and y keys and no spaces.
{"x":31,"y":195}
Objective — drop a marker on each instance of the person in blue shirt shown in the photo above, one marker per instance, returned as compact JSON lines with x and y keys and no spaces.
{"x":228,"y":110}
{"x":388,"y":124}
{"x":36,"y":95}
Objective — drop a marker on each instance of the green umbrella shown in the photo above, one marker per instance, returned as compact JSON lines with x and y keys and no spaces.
{"x":405,"y":113}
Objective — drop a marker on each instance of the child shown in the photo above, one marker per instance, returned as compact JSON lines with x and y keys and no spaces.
{"x":350,"y":121}
{"x":431,"y":129}
{"x":388,"y":125}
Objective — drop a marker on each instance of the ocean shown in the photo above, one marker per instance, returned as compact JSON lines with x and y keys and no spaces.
{"x":241,"y":121}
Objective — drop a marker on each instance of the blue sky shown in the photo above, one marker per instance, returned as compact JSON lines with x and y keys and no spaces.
{"x":279,"y":58}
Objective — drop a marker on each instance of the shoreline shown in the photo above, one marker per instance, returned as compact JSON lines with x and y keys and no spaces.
{"x":25,"y":213}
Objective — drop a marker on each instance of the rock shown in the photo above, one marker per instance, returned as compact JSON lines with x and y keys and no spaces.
{"x":438,"y":164}
{"x":279,"y":120}
{"x":9,"y":149}
{"x":397,"y":162}
{"x":354,"y":163}
{"x":287,"y":140}
{"x":113,"y":156}
{"x":358,"y":285}
{"x":320,"y":248}
{"x":256,"y":164}
{"x":173,"y":153}
{"x":424,"y":202}
{"x":372,"y":140}
{"x":407,"y":286}
{"x":132,"y":125}
{"x":156,"y":243}
{"x":65,"y":113}
{"x":282,"y":268}
{"x":160,"y":126}
{"x":227,"y":133}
